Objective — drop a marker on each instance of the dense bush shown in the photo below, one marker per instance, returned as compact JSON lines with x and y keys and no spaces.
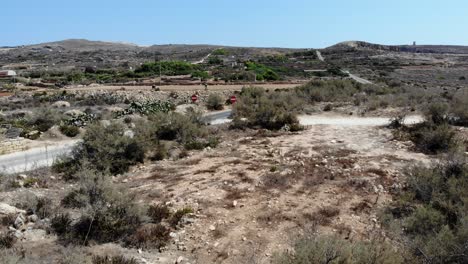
{"x":215,"y":102}
{"x":332,"y":249}
{"x":106,"y":148}
{"x":431,"y":138}
{"x":167,"y":68}
{"x":432,"y":211}
{"x":256,"y":108}
{"x":150,"y":236}
{"x":69,"y":131}
{"x":187,"y":130}
{"x":459,"y":109}
{"x":113,"y":260}
{"x":262,"y":71}
{"x":108,"y":215}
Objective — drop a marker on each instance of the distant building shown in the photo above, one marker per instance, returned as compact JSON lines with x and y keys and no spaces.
{"x":414,"y":43}
{"x":7,"y":74}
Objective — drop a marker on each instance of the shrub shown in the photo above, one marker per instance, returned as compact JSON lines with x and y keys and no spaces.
{"x":214,"y":102}
{"x":157,"y":213}
{"x":437,"y":113}
{"x":107,"y":148}
{"x":7,"y":241}
{"x":69,"y":131}
{"x":113,"y":260}
{"x":255,"y":108}
{"x":331,"y":249}
{"x":177,"y":216}
{"x":150,"y":236}
{"x":459,"y":109}
{"x":432,"y":139}
{"x":109,"y":215}
{"x":60,"y":223}
{"x":424,"y":220}
{"x":437,"y":229}
{"x":44,"y":119}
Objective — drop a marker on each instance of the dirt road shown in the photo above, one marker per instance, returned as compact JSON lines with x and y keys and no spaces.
{"x":221,"y":87}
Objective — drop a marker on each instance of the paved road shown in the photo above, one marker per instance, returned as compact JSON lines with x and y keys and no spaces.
{"x":34,"y":158}
{"x":216,"y":118}
{"x":46,"y":155}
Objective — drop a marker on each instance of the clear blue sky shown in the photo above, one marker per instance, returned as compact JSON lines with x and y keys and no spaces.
{"x":288,"y":23}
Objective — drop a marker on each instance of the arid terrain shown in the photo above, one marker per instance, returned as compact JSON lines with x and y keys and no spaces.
{"x":356,"y":153}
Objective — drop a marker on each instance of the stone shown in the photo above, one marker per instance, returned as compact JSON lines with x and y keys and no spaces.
{"x":212,"y":227}
{"x":33,"y":218}
{"x":234,"y":203}
{"x":35,"y":235}
{"x":179,"y":260}
{"x":61,"y":104}
{"x":20,"y":221}
{"x":6,"y":209}
{"x":22,"y":177}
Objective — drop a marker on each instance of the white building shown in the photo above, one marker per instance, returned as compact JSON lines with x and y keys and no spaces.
{"x":7,"y":74}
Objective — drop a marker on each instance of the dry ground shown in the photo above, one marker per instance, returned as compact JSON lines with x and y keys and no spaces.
{"x":254,"y":194}
{"x":257,"y":191}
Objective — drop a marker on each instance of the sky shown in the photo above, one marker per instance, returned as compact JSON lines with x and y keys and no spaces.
{"x":252,"y":23}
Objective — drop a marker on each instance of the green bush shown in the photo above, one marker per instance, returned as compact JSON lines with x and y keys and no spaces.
{"x":150,"y":236}
{"x":437,"y":229}
{"x":113,"y":260}
{"x":44,"y":119}
{"x":459,"y":109}
{"x":170,"y":68}
{"x":215,"y":102}
{"x":109,"y":214}
{"x":69,"y":131}
{"x":7,"y":240}
{"x":262,"y":71}
{"x":331,"y":249}
{"x":256,"y":108}
{"x":433,"y":139}
{"x":437,"y":113}
{"x":107,"y":149}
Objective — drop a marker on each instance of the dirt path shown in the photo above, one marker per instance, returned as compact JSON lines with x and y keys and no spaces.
{"x":335,"y":120}
{"x":252,"y":195}
{"x":221,"y":87}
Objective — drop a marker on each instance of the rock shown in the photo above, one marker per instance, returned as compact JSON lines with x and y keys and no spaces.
{"x":6,"y":209}
{"x":20,"y":221}
{"x":74,"y":113}
{"x":35,"y":235}
{"x":61,"y":104}
{"x":172,"y":234}
{"x":234,"y":203}
{"x":22,"y":177}
{"x":33,"y":218}
{"x":179,"y":260}
{"x":129,"y":133}
{"x":212,"y":227}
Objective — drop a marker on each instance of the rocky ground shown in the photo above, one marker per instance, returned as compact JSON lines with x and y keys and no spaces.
{"x":251,"y":196}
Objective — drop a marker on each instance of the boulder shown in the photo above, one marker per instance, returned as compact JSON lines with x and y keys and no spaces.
{"x":6,"y":209}
{"x":61,"y":104}
{"x":20,"y":221}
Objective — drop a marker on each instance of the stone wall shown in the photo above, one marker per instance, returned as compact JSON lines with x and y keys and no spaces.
{"x":12,"y":145}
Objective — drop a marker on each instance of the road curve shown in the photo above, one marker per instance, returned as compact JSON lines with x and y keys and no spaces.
{"x":34,"y":158}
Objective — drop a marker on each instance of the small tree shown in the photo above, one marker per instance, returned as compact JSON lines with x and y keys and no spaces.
{"x":214,"y":102}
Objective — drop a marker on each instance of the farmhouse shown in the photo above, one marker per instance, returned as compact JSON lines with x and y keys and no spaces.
{"x":7,"y":74}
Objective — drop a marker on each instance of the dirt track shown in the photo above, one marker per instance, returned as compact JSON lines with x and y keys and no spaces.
{"x":232,"y":87}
